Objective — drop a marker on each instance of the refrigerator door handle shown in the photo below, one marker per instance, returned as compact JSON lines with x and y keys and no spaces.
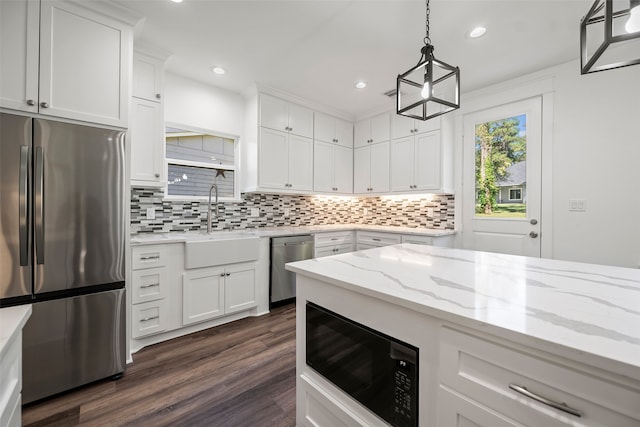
{"x":39,"y":205}
{"x":23,"y":209}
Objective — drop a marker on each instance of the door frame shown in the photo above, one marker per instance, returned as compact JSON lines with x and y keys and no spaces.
{"x":494,"y":96}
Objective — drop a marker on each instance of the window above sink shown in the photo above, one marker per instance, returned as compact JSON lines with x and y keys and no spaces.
{"x":198,"y":158}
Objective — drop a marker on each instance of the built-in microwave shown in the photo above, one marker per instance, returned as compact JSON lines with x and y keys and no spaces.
{"x":377,"y":370}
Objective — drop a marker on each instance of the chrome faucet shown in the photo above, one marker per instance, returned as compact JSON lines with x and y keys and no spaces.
{"x":213,"y":187}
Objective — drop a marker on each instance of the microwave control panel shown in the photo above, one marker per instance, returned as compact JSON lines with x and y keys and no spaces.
{"x":404,"y":405}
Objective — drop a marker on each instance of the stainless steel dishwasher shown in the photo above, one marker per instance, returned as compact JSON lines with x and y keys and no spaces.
{"x":283,"y":250}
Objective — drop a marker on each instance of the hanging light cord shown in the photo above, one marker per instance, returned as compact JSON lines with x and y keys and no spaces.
{"x":427,"y":39}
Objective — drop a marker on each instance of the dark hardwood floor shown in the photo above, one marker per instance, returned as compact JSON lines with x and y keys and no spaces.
{"x":238,"y":374}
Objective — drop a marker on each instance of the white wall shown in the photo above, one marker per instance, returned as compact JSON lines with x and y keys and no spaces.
{"x":203,"y":106}
{"x":596,"y":157}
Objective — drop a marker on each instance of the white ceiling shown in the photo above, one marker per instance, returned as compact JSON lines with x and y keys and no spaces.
{"x":318,"y":49}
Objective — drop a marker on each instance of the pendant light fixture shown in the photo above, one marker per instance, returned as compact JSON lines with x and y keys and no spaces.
{"x":610,"y":36}
{"x":429,"y":89}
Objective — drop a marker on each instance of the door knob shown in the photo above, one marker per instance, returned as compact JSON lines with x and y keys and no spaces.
{"x":533,"y":234}
{"x":533,"y":221}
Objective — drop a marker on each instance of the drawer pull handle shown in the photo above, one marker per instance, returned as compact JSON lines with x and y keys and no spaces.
{"x":334,"y":238}
{"x":375,"y":239}
{"x":146,"y":319}
{"x":148,"y":257}
{"x":559,"y":406}
{"x":151,"y":285}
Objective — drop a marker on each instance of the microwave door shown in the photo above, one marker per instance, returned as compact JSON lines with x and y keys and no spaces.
{"x":15,"y":208}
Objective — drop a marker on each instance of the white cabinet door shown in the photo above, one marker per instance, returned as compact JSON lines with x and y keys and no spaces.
{"x":427,"y":161}
{"x":323,"y":165}
{"x":84,"y":65}
{"x":147,"y":142}
{"x":274,"y":113}
{"x":380,"y":128}
{"x":402,"y":126}
{"x":380,"y":167}
{"x":343,"y":169}
{"x":281,"y":115}
{"x":402,"y":164}
{"x":373,"y":130}
{"x":147,"y":77}
{"x":333,"y":130}
{"x":273,"y":159}
{"x":300,"y":163}
{"x":362,"y":170}
{"x":422,"y":126}
{"x":456,"y":410}
{"x":239,"y":288}
{"x":300,"y":121}
{"x":19,"y":32}
{"x":344,"y":133}
{"x":202,"y":294}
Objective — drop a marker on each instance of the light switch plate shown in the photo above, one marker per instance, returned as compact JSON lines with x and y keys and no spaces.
{"x":287,"y":211}
{"x":429,"y":212}
{"x":255,"y":212}
{"x":577,"y":205}
{"x":151,"y":213}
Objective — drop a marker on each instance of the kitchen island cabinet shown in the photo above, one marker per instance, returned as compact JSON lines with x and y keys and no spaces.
{"x":503,"y":340}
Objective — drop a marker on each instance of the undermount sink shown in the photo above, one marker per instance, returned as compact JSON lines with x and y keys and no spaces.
{"x":219,"y":248}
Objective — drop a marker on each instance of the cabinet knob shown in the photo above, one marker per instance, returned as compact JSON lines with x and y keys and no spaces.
{"x":221,"y":274}
{"x":228,"y":274}
{"x":157,"y":175}
{"x":44,"y":104}
{"x":158,"y":96}
{"x":31,"y":102}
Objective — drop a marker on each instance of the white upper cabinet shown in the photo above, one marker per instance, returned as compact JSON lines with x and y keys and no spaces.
{"x":332,"y":168}
{"x":285,"y":161}
{"x":148,"y":73}
{"x":331,"y":129}
{"x":66,"y":60}
{"x":416,"y":163}
{"x":146,"y":129}
{"x":371,"y":169}
{"x":402,"y":126}
{"x":285,"y":116}
{"x":372,"y":131}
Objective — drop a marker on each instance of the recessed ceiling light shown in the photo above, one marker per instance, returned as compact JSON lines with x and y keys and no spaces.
{"x":361,"y":85}
{"x":218,"y":70}
{"x":177,"y":1}
{"x":477,"y":32}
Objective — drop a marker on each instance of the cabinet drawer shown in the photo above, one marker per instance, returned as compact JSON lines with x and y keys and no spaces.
{"x":148,"y":318}
{"x":333,"y":250}
{"x":148,"y":256}
{"x":455,"y":410}
{"x":148,"y":284}
{"x":441,"y":241}
{"x":333,"y":238}
{"x":378,"y":239}
{"x":486,"y":371}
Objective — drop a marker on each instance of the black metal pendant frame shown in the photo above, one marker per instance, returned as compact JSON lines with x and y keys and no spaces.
{"x":594,"y":16}
{"x":428,"y":61}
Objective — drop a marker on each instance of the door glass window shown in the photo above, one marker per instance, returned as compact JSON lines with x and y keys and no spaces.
{"x":501,"y":164}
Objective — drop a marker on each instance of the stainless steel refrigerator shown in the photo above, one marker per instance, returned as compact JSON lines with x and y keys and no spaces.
{"x":62,"y":237}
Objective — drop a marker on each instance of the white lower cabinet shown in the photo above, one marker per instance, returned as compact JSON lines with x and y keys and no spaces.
{"x":149,"y":318}
{"x":455,"y":410}
{"x":213,"y":292}
{"x":332,"y":243}
{"x":374,"y":239}
{"x":202,"y":295}
{"x":446,"y":241}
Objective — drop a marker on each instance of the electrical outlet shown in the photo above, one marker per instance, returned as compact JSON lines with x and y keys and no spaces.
{"x":287,"y":211}
{"x":429,"y":212}
{"x":366,"y":211}
{"x":151,"y":213}
{"x":255,"y":212}
{"x":577,"y":205}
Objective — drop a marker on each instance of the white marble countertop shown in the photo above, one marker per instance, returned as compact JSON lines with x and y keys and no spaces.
{"x":587,"y":308}
{"x":176,"y":237}
{"x":12,"y":319}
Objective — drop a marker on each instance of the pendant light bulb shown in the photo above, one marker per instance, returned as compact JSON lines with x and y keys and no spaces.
{"x":426,"y":91}
{"x":633,"y":24}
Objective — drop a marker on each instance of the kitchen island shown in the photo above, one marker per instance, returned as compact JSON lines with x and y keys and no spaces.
{"x":503,"y":340}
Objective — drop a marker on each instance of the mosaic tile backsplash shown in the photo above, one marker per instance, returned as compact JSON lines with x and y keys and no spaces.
{"x":284,"y":210}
